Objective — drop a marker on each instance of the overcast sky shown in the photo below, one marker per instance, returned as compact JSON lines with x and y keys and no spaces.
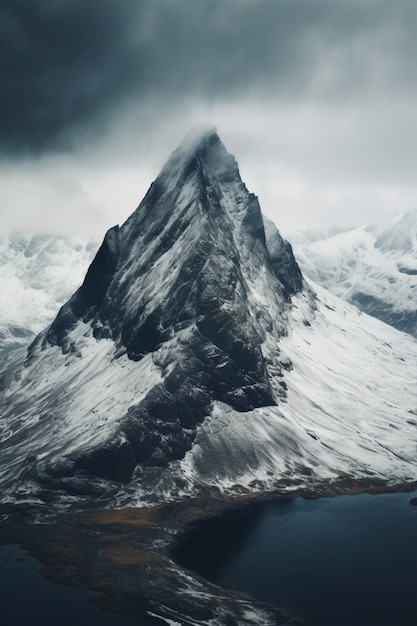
{"x":315,"y":98}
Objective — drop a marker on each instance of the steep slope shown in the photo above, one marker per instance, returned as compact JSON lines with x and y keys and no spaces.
{"x":38,"y":273}
{"x":194,"y":357}
{"x":373,"y":267}
{"x":171,"y":290}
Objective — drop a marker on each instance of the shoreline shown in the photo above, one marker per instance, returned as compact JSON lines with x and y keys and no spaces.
{"x":125,"y":555}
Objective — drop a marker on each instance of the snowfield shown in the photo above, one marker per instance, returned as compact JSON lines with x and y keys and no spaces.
{"x":38,"y":273}
{"x":373,"y":267}
{"x":164,"y":380}
{"x":351,"y":407}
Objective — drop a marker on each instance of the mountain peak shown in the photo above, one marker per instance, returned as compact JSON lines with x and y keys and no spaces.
{"x":199,"y":138}
{"x":200,"y":146}
{"x":194,"y":356}
{"x":182,"y":281}
{"x":183,"y":253}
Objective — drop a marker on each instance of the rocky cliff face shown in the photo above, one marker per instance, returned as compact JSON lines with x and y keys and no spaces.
{"x":174,"y":282}
{"x":194,"y":357}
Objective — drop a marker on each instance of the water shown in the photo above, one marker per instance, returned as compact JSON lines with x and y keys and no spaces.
{"x":29,"y":599}
{"x":348,"y":560}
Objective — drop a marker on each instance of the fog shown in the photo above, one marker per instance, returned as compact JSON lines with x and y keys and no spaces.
{"x":315,"y":100}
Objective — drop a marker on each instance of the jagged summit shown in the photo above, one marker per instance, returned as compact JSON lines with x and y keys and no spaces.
{"x":202,"y":143}
{"x":165,"y":374}
{"x":198,"y":210}
{"x":204,"y":148}
{"x":176,"y":282}
{"x":200,"y":139}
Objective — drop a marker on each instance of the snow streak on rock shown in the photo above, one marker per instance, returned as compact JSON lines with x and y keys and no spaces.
{"x":194,"y":356}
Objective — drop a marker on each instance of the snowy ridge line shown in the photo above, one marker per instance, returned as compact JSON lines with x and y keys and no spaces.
{"x":373,"y":267}
{"x":195,"y":357}
{"x":38,"y":273}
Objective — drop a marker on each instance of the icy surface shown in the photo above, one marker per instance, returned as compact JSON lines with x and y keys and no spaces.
{"x":38,"y":273}
{"x":373,"y":267}
{"x":351,"y":406}
{"x":194,"y":356}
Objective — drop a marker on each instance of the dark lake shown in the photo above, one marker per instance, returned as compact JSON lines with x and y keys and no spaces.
{"x":347,"y":560}
{"x":29,"y":599}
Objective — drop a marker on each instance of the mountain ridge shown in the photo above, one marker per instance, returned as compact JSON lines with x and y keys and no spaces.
{"x":373,"y":267}
{"x":38,"y":273}
{"x":194,"y":356}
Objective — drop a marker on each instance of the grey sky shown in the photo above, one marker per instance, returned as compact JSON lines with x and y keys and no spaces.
{"x":316,"y":99}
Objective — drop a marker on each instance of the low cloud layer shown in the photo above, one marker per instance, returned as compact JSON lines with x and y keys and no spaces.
{"x":316,"y":99}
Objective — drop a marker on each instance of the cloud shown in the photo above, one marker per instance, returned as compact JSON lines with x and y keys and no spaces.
{"x":70,"y":66}
{"x":316,"y":100}
{"x":321,"y":165}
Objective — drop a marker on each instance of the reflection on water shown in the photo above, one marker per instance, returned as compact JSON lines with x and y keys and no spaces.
{"x":349,"y":560}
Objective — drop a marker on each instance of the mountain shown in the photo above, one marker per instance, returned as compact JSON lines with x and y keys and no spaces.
{"x":38,"y":273}
{"x":373,"y":267}
{"x":195,"y":357}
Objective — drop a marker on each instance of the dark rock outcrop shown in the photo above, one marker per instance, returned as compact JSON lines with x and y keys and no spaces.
{"x":176,"y":275}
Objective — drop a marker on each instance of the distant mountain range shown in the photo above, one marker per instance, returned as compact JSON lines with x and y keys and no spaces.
{"x":195,"y":358}
{"x":38,"y":273}
{"x":373,"y":267}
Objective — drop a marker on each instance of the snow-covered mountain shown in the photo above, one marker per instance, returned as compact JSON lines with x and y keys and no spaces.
{"x":38,"y":273}
{"x":373,"y":267}
{"x":194,"y":356}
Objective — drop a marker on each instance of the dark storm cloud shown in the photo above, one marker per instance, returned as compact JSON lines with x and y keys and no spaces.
{"x":68,"y":66}
{"x":59,"y":64}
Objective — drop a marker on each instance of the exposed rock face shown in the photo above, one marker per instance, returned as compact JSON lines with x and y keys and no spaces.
{"x":403,"y":319}
{"x":194,"y":358}
{"x":176,"y":275}
{"x":282,"y":258}
{"x":179,"y":261}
